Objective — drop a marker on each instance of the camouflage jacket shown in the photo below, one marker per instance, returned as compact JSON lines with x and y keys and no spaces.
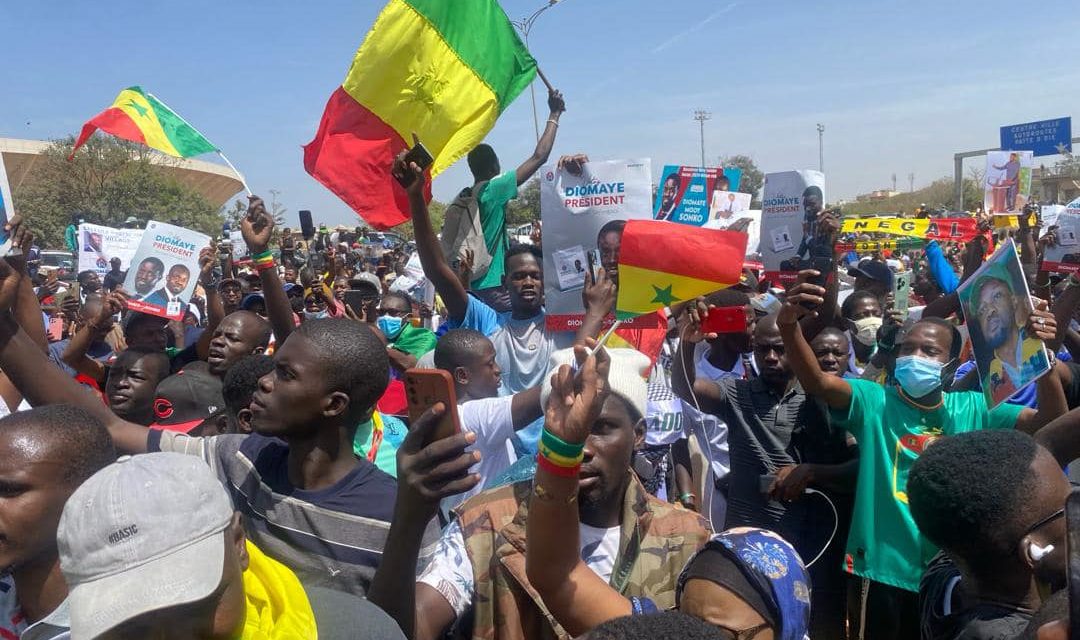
{"x":656,"y":541}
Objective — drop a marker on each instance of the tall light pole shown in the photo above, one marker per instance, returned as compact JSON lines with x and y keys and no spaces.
{"x":821,"y":147}
{"x":701,"y":116}
{"x":525,"y":25}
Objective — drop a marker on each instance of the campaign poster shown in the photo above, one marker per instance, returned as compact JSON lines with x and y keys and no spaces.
{"x":748,"y":222}
{"x":240,"y":250}
{"x":1007,"y":186}
{"x":585,"y":214}
{"x":685,"y":194}
{"x":727,"y":205}
{"x":1064,"y":255}
{"x":165,"y":270}
{"x":6,"y":209}
{"x":996,"y":306}
{"x":99,"y":244}
{"x":789,"y":210}
{"x":414,"y":283}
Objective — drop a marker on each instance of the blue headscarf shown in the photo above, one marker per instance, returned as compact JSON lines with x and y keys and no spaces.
{"x":765,"y":562}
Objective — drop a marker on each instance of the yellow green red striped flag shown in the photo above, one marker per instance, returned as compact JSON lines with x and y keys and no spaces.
{"x":443,"y":69}
{"x":663,"y":263}
{"x":140,"y":117}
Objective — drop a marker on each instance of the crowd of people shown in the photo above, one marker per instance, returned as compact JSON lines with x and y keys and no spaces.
{"x":831,"y":471}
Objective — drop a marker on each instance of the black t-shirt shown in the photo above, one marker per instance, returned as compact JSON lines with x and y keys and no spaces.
{"x":941,"y":619}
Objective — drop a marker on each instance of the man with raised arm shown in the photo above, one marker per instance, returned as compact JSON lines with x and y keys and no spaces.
{"x":893,"y":425}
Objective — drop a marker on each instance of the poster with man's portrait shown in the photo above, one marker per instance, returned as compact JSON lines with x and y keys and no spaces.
{"x":165,"y":270}
{"x":1007,"y":186}
{"x":996,"y":306}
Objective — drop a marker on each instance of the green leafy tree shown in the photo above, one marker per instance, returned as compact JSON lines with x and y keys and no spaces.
{"x":107,"y":181}
{"x":436,"y":210}
{"x":752,"y":177}
{"x":526,"y":207}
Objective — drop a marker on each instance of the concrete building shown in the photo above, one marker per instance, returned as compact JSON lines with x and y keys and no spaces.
{"x":217,"y":183}
{"x":1058,"y":184}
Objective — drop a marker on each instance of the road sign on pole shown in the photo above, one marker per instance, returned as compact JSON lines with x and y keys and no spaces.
{"x":1043,"y":138}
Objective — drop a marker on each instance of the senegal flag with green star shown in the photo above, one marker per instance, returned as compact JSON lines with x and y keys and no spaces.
{"x":664,"y":263}
{"x":140,"y":117}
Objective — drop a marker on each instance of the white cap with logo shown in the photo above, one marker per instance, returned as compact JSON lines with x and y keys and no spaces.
{"x":143,"y":534}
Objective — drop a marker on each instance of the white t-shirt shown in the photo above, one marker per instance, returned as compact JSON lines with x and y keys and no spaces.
{"x":492,"y":420}
{"x":450,"y":572}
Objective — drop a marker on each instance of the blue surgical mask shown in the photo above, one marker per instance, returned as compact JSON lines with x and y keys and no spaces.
{"x":918,"y":376}
{"x":316,"y":315}
{"x":390,"y":326}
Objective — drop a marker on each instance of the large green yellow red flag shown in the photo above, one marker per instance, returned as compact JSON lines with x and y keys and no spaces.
{"x":140,"y":117}
{"x":442,"y":69}
{"x":664,"y":263}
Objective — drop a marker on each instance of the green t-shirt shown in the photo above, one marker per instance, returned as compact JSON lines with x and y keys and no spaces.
{"x":492,"y":200}
{"x":884,"y":544}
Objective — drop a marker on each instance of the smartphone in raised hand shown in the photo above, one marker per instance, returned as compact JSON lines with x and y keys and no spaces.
{"x":307,"y":227}
{"x":424,"y":388}
{"x":725,"y":320}
{"x":423,"y":159}
{"x":901,"y":291}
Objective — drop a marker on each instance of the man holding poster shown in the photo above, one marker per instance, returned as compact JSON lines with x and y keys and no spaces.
{"x":165,"y":249}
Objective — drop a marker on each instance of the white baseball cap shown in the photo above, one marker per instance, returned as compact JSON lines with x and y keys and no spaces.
{"x":143,"y":534}
{"x":626,"y":375}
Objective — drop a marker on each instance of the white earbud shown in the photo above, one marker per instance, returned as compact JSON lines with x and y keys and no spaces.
{"x":1037,"y":553}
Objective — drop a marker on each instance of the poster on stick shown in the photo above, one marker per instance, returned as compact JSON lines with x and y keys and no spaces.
{"x":1007,"y":186}
{"x":165,"y":270}
{"x":996,"y":306}
{"x":582,"y":215}
{"x":1064,"y":255}
{"x":99,"y":244}
{"x":789,"y":210}
{"x":685,"y":194}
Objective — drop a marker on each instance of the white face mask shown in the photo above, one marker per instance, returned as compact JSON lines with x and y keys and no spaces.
{"x":866,"y":330}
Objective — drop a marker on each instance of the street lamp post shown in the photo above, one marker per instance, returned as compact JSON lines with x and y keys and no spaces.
{"x":701,"y":116}
{"x":525,"y":25}
{"x":821,"y":147}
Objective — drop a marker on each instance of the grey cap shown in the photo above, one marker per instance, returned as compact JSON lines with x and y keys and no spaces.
{"x":143,"y":534}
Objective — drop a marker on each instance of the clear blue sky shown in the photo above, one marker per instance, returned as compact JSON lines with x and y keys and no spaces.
{"x":899,"y":85}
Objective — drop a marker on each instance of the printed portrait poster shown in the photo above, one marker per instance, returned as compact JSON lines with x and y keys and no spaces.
{"x":792,"y":201}
{"x":165,"y":270}
{"x":996,"y":306}
{"x":685,"y":194}
{"x":1007,"y":187}
{"x":727,"y":205}
{"x":1064,"y":256}
{"x":748,"y":221}
{"x":7,"y":207}
{"x":583,"y":215}
{"x":99,"y":244}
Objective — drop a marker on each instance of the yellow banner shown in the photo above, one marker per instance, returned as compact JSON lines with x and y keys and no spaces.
{"x":961,"y":229}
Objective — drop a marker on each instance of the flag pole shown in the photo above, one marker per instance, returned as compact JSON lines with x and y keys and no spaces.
{"x":238,"y":174}
{"x":218,"y":151}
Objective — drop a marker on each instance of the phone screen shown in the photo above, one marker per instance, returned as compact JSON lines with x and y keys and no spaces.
{"x":307,"y":227}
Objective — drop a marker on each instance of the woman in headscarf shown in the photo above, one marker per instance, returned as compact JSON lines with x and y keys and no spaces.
{"x":749,"y":582}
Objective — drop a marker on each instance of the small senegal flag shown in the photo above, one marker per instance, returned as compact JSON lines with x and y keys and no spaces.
{"x":664,"y":263}
{"x":444,"y":69}
{"x":140,"y":117}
